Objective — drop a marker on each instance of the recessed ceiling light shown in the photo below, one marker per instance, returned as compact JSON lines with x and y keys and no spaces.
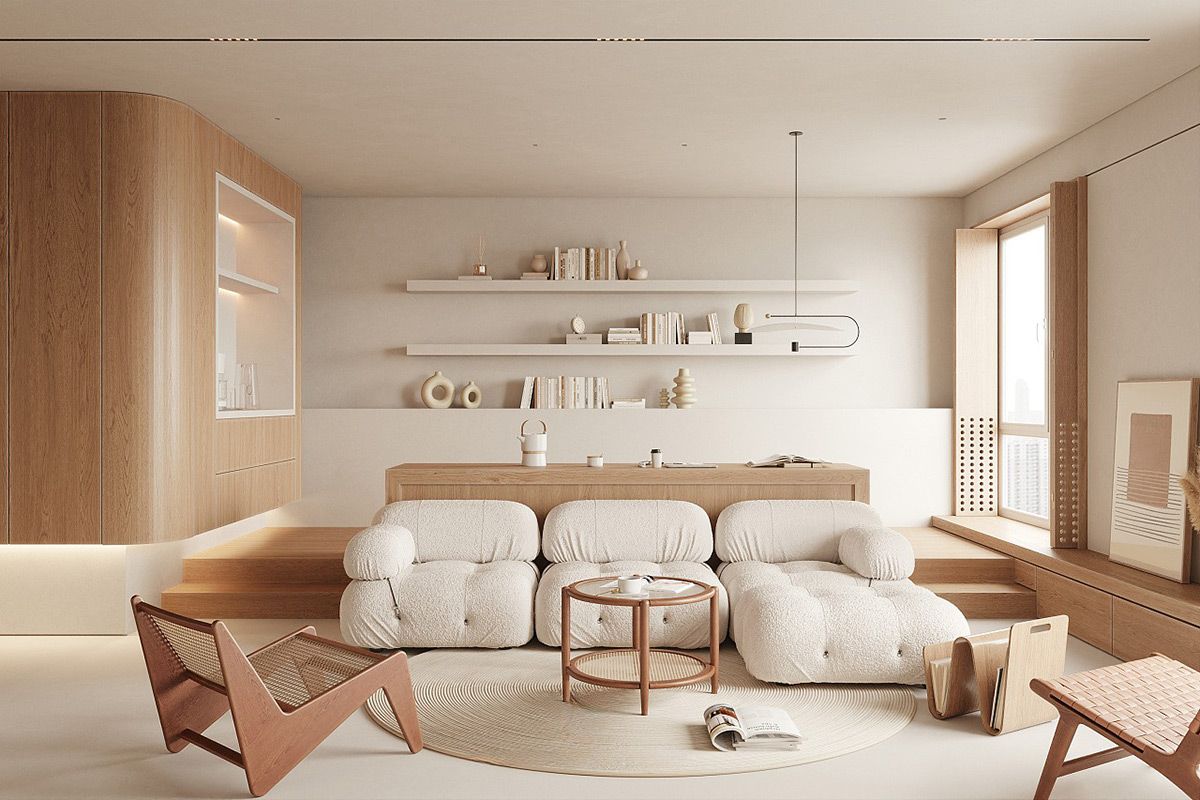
{"x":683,"y":145}
{"x":535,"y":144}
{"x":941,"y":119}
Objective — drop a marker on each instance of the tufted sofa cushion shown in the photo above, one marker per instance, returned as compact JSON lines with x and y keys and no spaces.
{"x":443,"y":604}
{"x":478,"y":531}
{"x":603,"y":531}
{"x":684,"y":626}
{"x":778,"y":531}
{"x":815,"y":622}
{"x":378,"y":552}
{"x":877,"y":552}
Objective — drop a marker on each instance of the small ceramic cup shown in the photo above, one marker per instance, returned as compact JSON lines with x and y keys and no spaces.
{"x":595,"y":461}
{"x":632,"y":584}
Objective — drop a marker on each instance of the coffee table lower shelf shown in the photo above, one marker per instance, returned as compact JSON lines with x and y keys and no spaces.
{"x":621,"y":668}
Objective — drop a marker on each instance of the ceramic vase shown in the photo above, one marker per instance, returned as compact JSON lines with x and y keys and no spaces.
{"x":537,"y":263}
{"x":638,"y":272}
{"x":743,"y":317}
{"x":471,"y":396}
{"x":664,"y":398}
{"x":622,"y":262}
{"x":685,"y":390}
{"x":430,"y":395}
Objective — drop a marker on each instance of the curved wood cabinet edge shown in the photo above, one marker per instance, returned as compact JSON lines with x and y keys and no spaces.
{"x":109,"y":200}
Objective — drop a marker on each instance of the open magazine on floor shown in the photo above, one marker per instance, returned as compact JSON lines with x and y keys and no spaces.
{"x":750,"y":728}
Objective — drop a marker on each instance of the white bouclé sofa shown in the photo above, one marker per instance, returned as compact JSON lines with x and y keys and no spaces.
{"x":819,"y":593}
{"x":593,"y":538}
{"x":442,"y":573}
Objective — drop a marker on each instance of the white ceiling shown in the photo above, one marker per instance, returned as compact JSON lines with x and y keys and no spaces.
{"x":610,"y":119}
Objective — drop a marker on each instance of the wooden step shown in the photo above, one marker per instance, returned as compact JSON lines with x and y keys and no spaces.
{"x":273,"y":555}
{"x":945,"y":558}
{"x":988,"y":600}
{"x":255,"y":601}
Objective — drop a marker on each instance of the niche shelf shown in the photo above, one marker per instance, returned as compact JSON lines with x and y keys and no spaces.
{"x":780,"y":350}
{"x":629,"y":287}
{"x":244,"y":284}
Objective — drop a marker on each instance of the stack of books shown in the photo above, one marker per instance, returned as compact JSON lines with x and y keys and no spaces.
{"x":714,"y":328}
{"x":565,"y":391}
{"x":619,"y":403}
{"x":663,"y":328}
{"x":624,"y":336}
{"x":584,"y":264}
{"x":535,"y":276}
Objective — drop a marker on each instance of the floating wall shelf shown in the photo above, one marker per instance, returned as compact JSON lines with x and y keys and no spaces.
{"x":631,"y":287}
{"x":243,"y":284}
{"x":781,"y":349}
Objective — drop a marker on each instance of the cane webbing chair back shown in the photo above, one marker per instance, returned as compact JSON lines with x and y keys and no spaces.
{"x":285,"y":698}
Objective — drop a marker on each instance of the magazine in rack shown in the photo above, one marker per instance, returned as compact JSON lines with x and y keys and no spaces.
{"x":750,"y":728}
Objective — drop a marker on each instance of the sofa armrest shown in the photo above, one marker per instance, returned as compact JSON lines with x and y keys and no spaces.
{"x":379,"y":552}
{"x":877,"y":553}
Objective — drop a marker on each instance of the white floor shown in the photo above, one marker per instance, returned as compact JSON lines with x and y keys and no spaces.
{"x":77,"y":720}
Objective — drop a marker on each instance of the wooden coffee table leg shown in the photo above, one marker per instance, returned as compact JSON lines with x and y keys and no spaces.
{"x":714,"y":646}
{"x":566,"y":645}
{"x":637,"y":628}
{"x":644,"y":654}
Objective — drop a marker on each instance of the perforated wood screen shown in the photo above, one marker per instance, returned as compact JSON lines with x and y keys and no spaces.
{"x":976,"y":379}
{"x":1068,"y":363}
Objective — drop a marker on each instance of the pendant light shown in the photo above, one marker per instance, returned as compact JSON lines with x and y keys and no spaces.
{"x":796,"y":315}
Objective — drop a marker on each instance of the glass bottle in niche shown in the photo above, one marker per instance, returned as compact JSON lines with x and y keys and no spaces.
{"x":222,"y":384}
{"x":248,"y":379}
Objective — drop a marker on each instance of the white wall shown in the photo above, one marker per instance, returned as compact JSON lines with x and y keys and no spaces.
{"x":347,"y":450}
{"x":359,"y":251}
{"x":1143,"y":256}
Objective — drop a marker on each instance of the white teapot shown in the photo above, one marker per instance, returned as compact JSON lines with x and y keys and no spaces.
{"x":533,"y":445}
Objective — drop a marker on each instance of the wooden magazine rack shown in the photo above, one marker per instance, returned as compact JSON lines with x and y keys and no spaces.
{"x":963,"y":675}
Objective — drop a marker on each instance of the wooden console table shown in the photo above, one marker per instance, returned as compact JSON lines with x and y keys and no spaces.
{"x":542,"y":489}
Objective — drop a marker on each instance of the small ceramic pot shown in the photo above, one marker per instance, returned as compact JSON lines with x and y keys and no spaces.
{"x":638,"y":272}
{"x":430,"y":395}
{"x":471,"y":396}
{"x":537,"y":263}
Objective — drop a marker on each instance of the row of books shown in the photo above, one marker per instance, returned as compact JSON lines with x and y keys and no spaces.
{"x":663,"y":327}
{"x":565,"y":391}
{"x":584,"y":264}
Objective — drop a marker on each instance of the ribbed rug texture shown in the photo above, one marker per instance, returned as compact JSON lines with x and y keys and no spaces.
{"x":505,"y":707}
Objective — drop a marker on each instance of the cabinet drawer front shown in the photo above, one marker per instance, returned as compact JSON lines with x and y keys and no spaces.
{"x":254,"y":441}
{"x":247,"y":492}
{"x":1090,"y":610}
{"x":1138,"y":632}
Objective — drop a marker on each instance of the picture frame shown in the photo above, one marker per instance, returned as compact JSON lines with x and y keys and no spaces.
{"x":1154,"y":447}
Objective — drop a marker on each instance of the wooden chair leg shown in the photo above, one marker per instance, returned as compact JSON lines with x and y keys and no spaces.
{"x":1059,"y":745}
{"x":400,"y":696}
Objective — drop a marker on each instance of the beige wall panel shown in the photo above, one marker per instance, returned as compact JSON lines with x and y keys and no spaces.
{"x":54,"y":324}
{"x":976,"y":349}
{"x":159,"y":309}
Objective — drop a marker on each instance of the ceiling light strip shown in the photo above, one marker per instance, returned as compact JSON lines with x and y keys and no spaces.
{"x":574,"y":39}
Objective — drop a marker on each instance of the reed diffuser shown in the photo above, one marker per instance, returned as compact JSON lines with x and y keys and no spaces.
{"x":480,"y":268}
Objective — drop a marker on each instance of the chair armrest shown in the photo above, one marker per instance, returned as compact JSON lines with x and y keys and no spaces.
{"x":877,"y":553}
{"x":379,"y":552}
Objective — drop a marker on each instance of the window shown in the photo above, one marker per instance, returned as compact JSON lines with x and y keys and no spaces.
{"x":1024,"y":422}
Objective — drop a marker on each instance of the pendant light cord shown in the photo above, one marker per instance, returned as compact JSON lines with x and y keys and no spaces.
{"x":796,"y":225}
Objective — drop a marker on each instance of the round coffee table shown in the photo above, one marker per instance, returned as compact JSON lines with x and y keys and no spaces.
{"x":635,"y":667}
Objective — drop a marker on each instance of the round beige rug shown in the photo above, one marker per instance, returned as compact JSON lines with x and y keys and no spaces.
{"x":505,"y":707}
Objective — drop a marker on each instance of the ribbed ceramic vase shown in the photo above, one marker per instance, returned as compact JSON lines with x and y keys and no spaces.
{"x":622,"y":262}
{"x":685,"y":390}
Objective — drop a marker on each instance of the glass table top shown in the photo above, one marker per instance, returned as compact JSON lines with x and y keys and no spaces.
{"x":661,"y":588}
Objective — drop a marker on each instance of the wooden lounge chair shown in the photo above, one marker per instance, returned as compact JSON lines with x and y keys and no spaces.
{"x":1147,"y":708}
{"x":285,"y":697}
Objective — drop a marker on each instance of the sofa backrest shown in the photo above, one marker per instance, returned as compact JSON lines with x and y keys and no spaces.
{"x":478,"y":531}
{"x":777,"y":531}
{"x":600,"y":531}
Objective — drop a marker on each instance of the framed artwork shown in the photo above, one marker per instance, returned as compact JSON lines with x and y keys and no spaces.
{"x":1155,"y":441}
